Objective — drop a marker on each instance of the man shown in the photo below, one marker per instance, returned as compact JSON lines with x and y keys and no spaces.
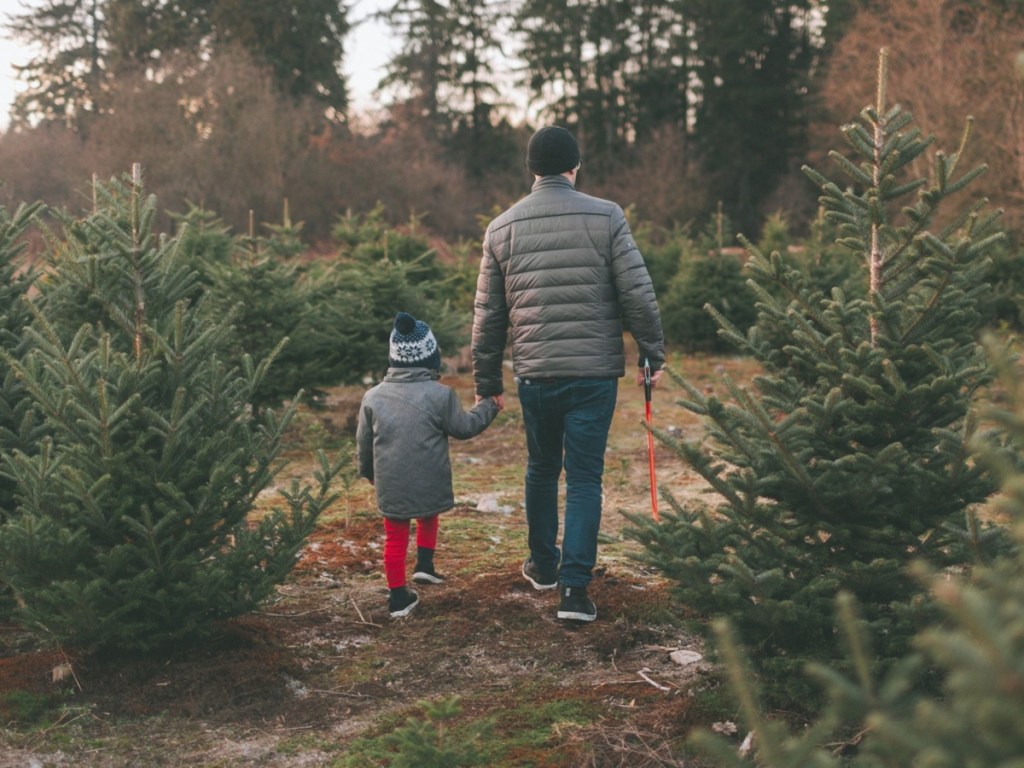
{"x":560,"y":270}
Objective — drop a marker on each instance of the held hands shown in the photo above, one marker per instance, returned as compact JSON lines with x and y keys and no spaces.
{"x":499,"y":400}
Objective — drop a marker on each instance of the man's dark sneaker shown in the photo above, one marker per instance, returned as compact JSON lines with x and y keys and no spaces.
{"x":539,"y":579}
{"x":427,"y":575}
{"x":402,"y":601}
{"x":575,"y":605}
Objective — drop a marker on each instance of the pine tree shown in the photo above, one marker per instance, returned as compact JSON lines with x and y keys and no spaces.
{"x":271,"y":297}
{"x":975,"y":718}
{"x":849,"y":456}
{"x":66,"y":80}
{"x":84,"y":45}
{"x":707,"y":274}
{"x":136,"y":521}
{"x":445,"y":61}
{"x":580,"y":63}
{"x":754,"y":67}
{"x":19,"y":429}
{"x":433,"y":743}
{"x":203,"y":237}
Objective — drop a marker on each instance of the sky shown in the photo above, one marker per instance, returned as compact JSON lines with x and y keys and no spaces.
{"x":367,"y":50}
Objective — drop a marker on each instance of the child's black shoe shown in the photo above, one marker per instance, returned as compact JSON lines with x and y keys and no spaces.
{"x":425,"y":574}
{"x":401,"y":602}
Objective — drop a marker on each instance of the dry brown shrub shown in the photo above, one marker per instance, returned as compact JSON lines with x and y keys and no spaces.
{"x":947,"y":60}
{"x":404,"y":168}
{"x":220,"y":135}
{"x":49,"y":164}
{"x":663,"y":181}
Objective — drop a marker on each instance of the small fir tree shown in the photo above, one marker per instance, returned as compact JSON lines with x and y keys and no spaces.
{"x":434,"y":743}
{"x":285,"y":240}
{"x":135,"y":523}
{"x":203,"y":237}
{"x":662,"y":247}
{"x":19,"y":429}
{"x":849,"y":456}
{"x":269,"y":300}
{"x":707,"y":273}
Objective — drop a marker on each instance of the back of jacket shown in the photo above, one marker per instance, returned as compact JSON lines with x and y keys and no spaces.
{"x":561,"y":270}
{"x":402,"y":440}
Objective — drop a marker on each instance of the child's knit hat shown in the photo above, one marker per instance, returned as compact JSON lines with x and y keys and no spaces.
{"x":413,"y":344}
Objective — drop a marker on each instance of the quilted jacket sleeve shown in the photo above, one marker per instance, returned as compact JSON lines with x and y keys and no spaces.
{"x":636,"y":292}
{"x":490,"y":324}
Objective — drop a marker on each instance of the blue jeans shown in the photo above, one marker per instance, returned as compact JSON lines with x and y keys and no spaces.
{"x":566,"y":420}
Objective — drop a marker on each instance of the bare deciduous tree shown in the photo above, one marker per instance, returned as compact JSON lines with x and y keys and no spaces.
{"x":946,"y":58}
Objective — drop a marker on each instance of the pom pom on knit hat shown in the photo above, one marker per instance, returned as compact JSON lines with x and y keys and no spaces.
{"x":412,"y":344}
{"x":552,"y":150}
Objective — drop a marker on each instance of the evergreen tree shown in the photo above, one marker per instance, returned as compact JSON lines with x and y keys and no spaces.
{"x":19,"y":429}
{"x":849,"y":457}
{"x":65,"y":80}
{"x":84,"y":45}
{"x":976,"y":717}
{"x":203,"y":237}
{"x":134,"y":523}
{"x":708,"y":274}
{"x":270,"y":297}
{"x":267,"y":301}
{"x":579,"y":63}
{"x":443,"y":75}
{"x":301,"y":40}
{"x":751,"y":104}
{"x":384,"y":269}
{"x":336,"y":315}
{"x":422,"y":66}
{"x":658,"y":78}
{"x":357,"y":312}
{"x":433,"y":743}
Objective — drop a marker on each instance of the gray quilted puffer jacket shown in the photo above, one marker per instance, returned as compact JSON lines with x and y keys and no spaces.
{"x":561,"y":270}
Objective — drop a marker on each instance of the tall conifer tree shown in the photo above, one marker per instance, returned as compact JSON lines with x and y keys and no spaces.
{"x":753,"y":69}
{"x":84,"y":45}
{"x":849,"y":456}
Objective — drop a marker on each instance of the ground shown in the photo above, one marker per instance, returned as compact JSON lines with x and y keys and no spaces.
{"x":322,"y":676}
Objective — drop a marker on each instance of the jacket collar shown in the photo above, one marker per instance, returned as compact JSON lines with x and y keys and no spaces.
{"x":552,"y":182}
{"x":407,"y":375}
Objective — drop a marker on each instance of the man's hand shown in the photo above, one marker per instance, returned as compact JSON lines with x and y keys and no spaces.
{"x":655,"y":375}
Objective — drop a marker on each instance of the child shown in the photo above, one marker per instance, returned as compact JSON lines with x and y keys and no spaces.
{"x":402,"y":442}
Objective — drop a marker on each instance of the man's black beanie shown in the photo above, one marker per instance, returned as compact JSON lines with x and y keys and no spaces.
{"x":552,"y":150}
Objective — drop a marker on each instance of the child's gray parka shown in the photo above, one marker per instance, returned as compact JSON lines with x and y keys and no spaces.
{"x":402,"y":440}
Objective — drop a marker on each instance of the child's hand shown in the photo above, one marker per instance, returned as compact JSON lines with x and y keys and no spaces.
{"x":499,"y":400}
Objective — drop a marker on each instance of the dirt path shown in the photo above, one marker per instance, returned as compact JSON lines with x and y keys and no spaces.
{"x":321,"y":676}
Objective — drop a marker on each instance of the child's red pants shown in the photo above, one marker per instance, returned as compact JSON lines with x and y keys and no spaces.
{"x":396,"y":545}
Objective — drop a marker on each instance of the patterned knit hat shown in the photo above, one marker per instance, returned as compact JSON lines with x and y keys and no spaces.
{"x":413,"y":344}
